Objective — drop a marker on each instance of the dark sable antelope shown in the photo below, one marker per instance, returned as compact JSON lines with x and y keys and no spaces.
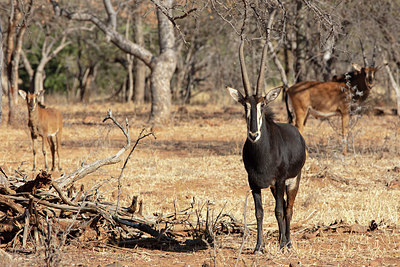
{"x":46,"y":123}
{"x":336,"y":97}
{"x":273,"y":154}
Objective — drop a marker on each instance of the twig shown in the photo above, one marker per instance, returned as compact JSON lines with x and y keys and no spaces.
{"x":67,"y":180}
{"x":26,"y":229}
{"x":147,"y":229}
{"x":4,"y":173}
{"x":246,"y":230}
{"x":141,"y":136}
{"x":60,"y":193}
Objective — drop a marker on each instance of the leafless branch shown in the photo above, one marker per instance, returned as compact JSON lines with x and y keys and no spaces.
{"x":276,"y":60}
{"x":246,"y":229}
{"x":224,"y":18}
{"x":67,"y":180}
{"x":140,"y":137}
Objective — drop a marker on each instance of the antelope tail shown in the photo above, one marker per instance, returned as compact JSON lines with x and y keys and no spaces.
{"x":290,"y":116}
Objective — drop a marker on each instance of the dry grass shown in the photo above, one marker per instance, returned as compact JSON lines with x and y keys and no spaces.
{"x":199,"y":156}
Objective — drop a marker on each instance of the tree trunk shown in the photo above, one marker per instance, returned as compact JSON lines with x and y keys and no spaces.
{"x":328,"y":58}
{"x":163,"y":69}
{"x":395,"y":87}
{"x":129,"y":81}
{"x":87,"y":87}
{"x":140,"y":67}
{"x":127,"y":88}
{"x":38,"y":79}
{"x":13,"y":76}
{"x":1,"y":72}
{"x":11,"y":34}
{"x":17,"y":27}
{"x":301,"y":43}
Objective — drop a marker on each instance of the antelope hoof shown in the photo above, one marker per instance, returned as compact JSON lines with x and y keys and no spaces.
{"x":258,"y":251}
{"x":287,"y":245}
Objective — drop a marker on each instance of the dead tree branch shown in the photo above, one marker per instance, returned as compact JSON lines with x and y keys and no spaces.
{"x":69,"y":179}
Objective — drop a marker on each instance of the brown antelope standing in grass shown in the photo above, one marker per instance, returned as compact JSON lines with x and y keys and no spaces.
{"x":273,"y":154}
{"x":46,"y":123}
{"x":336,"y":97}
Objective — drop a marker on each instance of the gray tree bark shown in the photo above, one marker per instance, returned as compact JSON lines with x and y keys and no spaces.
{"x":17,"y":24}
{"x":301,"y":43}
{"x":140,"y":67}
{"x":1,"y":72}
{"x":395,"y":86}
{"x":163,"y":69}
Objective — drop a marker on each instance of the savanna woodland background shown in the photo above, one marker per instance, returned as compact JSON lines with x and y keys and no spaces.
{"x":169,"y":188}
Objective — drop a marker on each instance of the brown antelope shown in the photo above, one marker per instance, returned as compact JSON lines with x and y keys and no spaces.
{"x":273,"y":154}
{"x":325,"y":99}
{"x":46,"y":123}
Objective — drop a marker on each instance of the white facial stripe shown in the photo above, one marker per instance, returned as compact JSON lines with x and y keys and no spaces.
{"x":259,"y":117}
{"x":248,"y":110}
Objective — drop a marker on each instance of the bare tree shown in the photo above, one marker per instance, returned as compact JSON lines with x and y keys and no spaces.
{"x":301,"y":42}
{"x":395,"y":86}
{"x":51,"y":46}
{"x":20,"y":13}
{"x":1,"y":71}
{"x":140,"y":67}
{"x":162,"y":65}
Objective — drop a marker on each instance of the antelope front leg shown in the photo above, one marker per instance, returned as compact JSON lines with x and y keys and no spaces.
{"x":259,"y":217}
{"x":34,"y":153}
{"x":44,"y":152}
{"x":345,"y":131}
{"x":58,"y":147}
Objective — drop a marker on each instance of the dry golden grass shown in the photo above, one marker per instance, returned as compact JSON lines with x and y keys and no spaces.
{"x":198,"y":155}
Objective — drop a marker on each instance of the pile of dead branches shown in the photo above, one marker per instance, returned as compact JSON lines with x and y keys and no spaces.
{"x":50,"y":213}
{"x":33,"y":211}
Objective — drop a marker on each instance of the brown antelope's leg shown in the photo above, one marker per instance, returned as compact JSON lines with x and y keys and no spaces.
{"x":52,"y":150}
{"x":58,"y":141}
{"x":301,"y":115}
{"x":259,"y":217}
{"x":34,"y":153}
{"x":291,"y":192}
{"x":279,"y":211}
{"x":44,"y":140}
{"x":345,"y":127}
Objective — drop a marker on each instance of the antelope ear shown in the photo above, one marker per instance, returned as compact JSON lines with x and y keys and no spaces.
{"x":356,"y":67}
{"x":41,"y":92}
{"x":272,"y":94}
{"x":236,"y":95}
{"x":380,"y":66}
{"x":22,"y":93}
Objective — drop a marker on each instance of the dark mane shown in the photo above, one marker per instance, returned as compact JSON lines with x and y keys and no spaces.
{"x":269,"y":114}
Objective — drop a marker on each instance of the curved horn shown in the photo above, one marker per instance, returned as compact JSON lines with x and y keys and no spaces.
{"x":260,"y":81}
{"x":363,"y":54}
{"x":373,"y":55}
{"x":245,"y":77}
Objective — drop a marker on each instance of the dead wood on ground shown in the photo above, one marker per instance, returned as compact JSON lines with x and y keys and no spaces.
{"x":49,"y":213}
